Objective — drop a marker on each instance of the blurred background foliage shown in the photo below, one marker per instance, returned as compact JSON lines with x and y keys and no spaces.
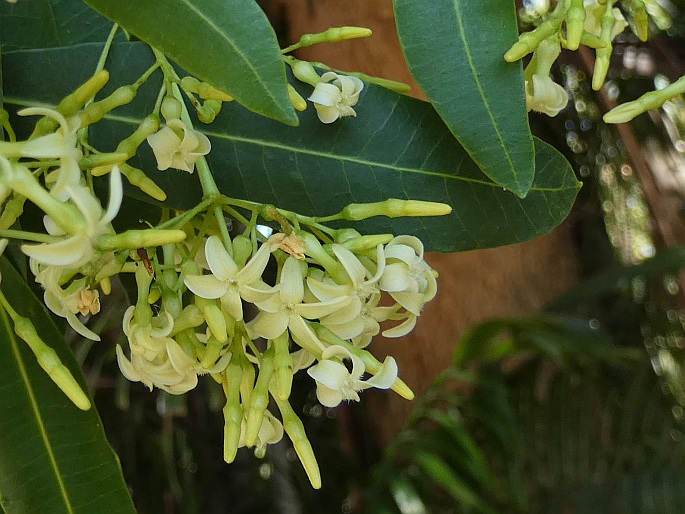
{"x":579,"y":409}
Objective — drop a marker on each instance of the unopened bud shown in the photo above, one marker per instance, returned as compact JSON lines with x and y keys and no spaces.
{"x":394,"y":208}
{"x":134,"y":239}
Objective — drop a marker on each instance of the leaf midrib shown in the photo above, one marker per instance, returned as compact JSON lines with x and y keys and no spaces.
{"x":300,"y":150}
{"x":474,"y":74}
{"x":9,"y":330}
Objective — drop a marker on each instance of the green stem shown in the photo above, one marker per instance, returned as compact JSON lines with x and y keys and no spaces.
{"x":105,"y":51}
{"x":28,"y":236}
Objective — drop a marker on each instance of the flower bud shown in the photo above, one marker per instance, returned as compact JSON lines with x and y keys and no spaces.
{"x":304,"y":72}
{"x":71,"y":103}
{"x":393,"y":208}
{"x":242,"y":250}
{"x":48,"y":360}
{"x":134,"y":239}
{"x":208,"y":111}
{"x":299,"y":103}
{"x":171,"y":109}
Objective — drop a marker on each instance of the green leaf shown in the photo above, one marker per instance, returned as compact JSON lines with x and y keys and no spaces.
{"x":395,"y":147}
{"x":455,"y":51}
{"x":53,"y":457}
{"x":50,"y":23}
{"x":228,"y":43}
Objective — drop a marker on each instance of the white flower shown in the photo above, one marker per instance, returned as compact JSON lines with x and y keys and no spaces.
{"x":285,"y":310}
{"x":544,"y":95}
{"x":335,"y":95}
{"x":355,"y":318}
{"x":173,"y":152}
{"x":227,"y":281}
{"x":77,"y":250}
{"x":77,"y":297}
{"x":334,"y":383}
{"x":407,"y":277}
{"x":156,"y":359}
{"x":62,"y":145}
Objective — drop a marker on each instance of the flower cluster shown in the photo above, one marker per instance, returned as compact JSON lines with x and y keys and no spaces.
{"x":218,"y":315}
{"x":248,"y":310}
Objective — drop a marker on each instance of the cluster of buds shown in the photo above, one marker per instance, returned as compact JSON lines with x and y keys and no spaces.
{"x":593,"y":23}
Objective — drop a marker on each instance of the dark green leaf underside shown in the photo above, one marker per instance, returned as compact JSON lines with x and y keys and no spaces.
{"x":54,"y":458}
{"x":395,"y":147}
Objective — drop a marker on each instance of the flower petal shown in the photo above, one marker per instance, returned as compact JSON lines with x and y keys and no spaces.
{"x":206,"y":286}
{"x":220,"y":262}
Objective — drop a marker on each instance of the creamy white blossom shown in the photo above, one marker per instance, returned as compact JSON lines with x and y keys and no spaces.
{"x":156,"y":359}
{"x":78,"y":249}
{"x":172,"y":151}
{"x":62,"y":145}
{"x":545,"y":96}
{"x":229,"y":282}
{"x":334,"y":383}
{"x":335,"y":96}
{"x":285,"y":310}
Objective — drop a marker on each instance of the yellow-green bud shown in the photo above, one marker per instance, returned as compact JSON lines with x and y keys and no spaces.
{"x":314,"y":249}
{"x":147,"y":127}
{"x":190,"y":317}
{"x":71,"y":103}
{"x":652,"y":100}
{"x":134,"y":239}
{"x":233,"y":411}
{"x":296,"y":99}
{"x":575,"y":21}
{"x":97,"y":110}
{"x":214,"y":317}
{"x":50,"y":362}
{"x":364,"y":243}
{"x":242,"y":250}
{"x":334,"y":35}
{"x":171,"y":108}
{"x":139,"y":179}
{"x":208,"y":111}
{"x":259,"y":400}
{"x":283,"y":367}
{"x":303,"y":448}
{"x":102,"y":163}
{"x":304,"y":72}
{"x":393,"y":208}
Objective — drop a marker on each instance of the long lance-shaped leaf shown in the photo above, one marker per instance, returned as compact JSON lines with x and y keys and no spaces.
{"x":50,"y":23}
{"x":229,"y":43}
{"x":53,"y":456}
{"x":454,"y":49}
{"x":395,"y":147}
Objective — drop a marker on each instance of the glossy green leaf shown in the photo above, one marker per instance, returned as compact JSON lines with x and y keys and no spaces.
{"x":455,"y":50}
{"x":228,"y":43}
{"x":395,"y":147}
{"x":54,"y":457}
{"x":50,"y":23}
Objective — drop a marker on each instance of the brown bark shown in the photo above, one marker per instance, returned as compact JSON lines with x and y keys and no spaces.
{"x":473,"y":286}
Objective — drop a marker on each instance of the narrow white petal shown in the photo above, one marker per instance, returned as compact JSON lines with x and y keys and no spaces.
{"x":116,"y":195}
{"x":385,"y":377}
{"x":72,"y":251}
{"x":206,"y":286}
{"x":292,"y":282}
{"x":220,"y":262}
